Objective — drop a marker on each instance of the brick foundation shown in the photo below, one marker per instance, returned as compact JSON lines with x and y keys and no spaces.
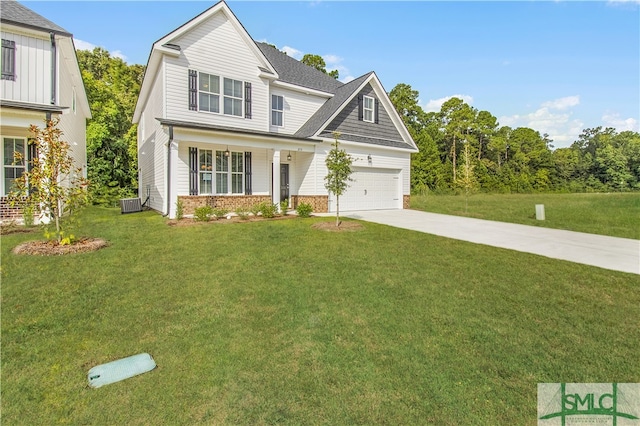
{"x":406,"y":201}
{"x":9,"y":213}
{"x":228,"y":202}
{"x":320,"y":203}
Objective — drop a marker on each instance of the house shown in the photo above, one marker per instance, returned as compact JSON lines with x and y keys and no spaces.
{"x":40,"y":80}
{"x":226,"y":121}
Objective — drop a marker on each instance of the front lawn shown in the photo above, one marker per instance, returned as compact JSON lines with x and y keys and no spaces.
{"x":276,"y":322}
{"x":615,"y":214}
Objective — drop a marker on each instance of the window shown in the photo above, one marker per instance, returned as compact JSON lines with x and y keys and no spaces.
{"x":13,"y":167}
{"x":8,"y":60}
{"x":209,"y":92}
{"x":237,"y":174}
{"x":232,"y":97}
{"x":277,"y":110}
{"x":222,"y":173}
{"x":369,"y":105}
{"x":206,"y":171}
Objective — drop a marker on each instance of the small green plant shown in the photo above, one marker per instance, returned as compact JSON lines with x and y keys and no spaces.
{"x":255,"y":209}
{"x":304,"y":209}
{"x":243,"y":212}
{"x":219,"y":213}
{"x":284,"y":205}
{"x":179,"y":209}
{"x":28,"y":212}
{"x":203,"y":214}
{"x":268,"y":210}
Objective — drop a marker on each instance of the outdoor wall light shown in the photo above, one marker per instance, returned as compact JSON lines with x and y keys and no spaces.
{"x":227,"y":153}
{"x":289,"y":156}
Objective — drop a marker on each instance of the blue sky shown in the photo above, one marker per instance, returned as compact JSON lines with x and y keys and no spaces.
{"x":557,"y":67}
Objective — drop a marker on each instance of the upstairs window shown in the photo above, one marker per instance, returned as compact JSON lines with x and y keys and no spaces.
{"x":277,"y":110}
{"x":209,"y":92}
{"x":232,"y":97}
{"x":8,"y":60}
{"x":368,"y":109}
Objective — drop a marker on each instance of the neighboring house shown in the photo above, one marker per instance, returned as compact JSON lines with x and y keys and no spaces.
{"x":40,"y":80}
{"x":226,"y":121}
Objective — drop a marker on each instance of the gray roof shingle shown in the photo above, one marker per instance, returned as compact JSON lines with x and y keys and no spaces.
{"x":12,"y":12}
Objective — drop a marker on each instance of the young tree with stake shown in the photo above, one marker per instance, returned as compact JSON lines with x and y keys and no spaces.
{"x":339,"y":166}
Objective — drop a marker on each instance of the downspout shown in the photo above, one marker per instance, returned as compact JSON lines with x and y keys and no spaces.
{"x":169,"y":170}
{"x":53,"y":68}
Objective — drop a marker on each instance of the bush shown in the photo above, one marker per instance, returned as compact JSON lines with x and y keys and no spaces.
{"x":284,"y":205}
{"x":219,"y":213}
{"x":304,"y":209}
{"x":268,"y":210}
{"x":243,"y":212}
{"x":255,"y":209}
{"x":28,"y":212}
{"x":203,"y":214}
{"x":179,"y":209}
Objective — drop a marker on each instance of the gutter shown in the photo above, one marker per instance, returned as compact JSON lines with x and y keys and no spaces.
{"x":54,"y":71}
{"x":169,"y":170}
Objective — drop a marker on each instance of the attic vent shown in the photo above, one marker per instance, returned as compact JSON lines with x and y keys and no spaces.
{"x":172,"y":46}
{"x":130,"y":205}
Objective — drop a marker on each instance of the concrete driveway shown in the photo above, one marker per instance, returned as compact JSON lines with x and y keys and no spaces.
{"x":618,"y":254}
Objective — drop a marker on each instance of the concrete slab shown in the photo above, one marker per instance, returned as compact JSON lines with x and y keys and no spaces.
{"x":618,"y":254}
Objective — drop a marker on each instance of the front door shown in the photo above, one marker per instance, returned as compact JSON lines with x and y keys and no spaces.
{"x":284,"y":182}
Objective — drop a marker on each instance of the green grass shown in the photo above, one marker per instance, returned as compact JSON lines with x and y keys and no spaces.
{"x":616,"y":214}
{"x":276,"y":322}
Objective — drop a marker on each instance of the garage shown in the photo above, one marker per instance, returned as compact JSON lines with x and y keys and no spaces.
{"x":371,"y":189}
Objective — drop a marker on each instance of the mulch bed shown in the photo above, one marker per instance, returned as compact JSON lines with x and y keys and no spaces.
{"x":344,"y":226}
{"x":187,"y":221}
{"x":52,"y":248}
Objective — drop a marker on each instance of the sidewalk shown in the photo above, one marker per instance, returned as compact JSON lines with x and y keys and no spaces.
{"x":618,"y":254}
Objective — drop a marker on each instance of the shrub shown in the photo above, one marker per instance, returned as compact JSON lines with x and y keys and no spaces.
{"x":219,"y":213}
{"x":304,"y":209}
{"x":243,"y":212}
{"x":28,"y":211}
{"x":268,"y":210}
{"x":255,"y":209}
{"x":284,"y":205}
{"x":179,"y":209}
{"x":203,"y":214}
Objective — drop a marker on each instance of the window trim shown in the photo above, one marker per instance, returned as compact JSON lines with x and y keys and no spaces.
{"x":8,"y":70}
{"x":275,"y":110}
{"x":209,"y":93}
{"x":233,"y":96}
{"x":25,"y":153}
{"x":370,"y":110}
{"x":208,"y":171}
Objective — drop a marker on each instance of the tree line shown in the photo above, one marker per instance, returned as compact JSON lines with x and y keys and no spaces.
{"x":461,"y":148}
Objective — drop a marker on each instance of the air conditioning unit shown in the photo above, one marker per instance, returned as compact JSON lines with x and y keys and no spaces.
{"x":130,"y":205}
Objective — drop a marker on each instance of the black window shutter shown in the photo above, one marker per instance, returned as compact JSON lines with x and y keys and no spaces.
{"x":247,"y":173}
{"x":8,"y":60}
{"x":32,"y":154}
{"x":247,"y":99}
{"x":360,"y":107}
{"x":193,"y":171}
{"x":376,"y":107}
{"x":193,"y":90}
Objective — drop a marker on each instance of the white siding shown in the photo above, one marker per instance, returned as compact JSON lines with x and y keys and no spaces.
{"x":152,"y":150}
{"x":298,"y":107}
{"x":33,"y":70}
{"x":215,"y":47}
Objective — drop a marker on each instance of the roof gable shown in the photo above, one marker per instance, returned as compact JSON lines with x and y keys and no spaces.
{"x":12,"y":12}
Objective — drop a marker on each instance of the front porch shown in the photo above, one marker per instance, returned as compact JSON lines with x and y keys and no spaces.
{"x":320,"y":203}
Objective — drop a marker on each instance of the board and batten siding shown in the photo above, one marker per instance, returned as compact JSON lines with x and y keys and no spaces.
{"x":151,"y":148}
{"x":33,"y":69}
{"x":215,"y":47}
{"x":347,"y":122}
{"x":298,"y":107}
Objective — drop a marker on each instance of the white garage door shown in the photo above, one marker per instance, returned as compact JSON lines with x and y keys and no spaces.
{"x":371,"y":189}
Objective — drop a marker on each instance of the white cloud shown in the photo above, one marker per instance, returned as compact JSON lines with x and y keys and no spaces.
{"x":332,"y":59}
{"x":560,"y":126}
{"x":619,"y":123}
{"x":435,"y":105}
{"x":562,"y":103}
{"x":294,"y":53}
{"x":83,"y":45}
{"x":118,"y":54}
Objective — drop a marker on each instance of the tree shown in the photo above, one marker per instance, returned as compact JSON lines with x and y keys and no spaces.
{"x":52,"y":185}
{"x":318,"y":63}
{"x":339,"y":173}
{"x":467,"y":181}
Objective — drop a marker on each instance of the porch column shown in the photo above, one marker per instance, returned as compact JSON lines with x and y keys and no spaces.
{"x":275,"y":189}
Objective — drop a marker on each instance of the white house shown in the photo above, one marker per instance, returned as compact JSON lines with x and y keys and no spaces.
{"x":40,"y":80}
{"x":227,"y":121}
